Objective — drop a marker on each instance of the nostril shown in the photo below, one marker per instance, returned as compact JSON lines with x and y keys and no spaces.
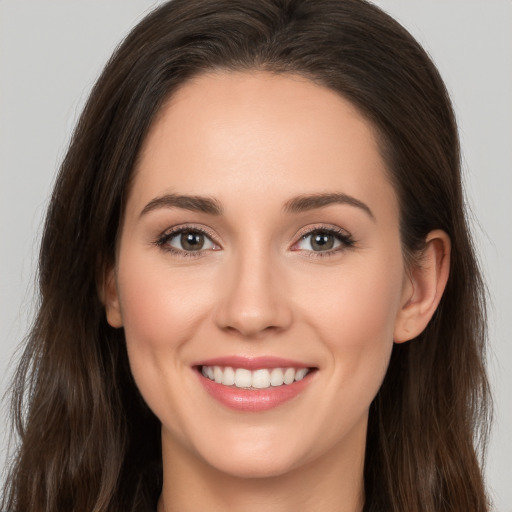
{"x":252,"y":331}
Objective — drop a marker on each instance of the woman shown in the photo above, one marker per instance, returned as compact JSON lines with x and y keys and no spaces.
{"x":257,"y":283}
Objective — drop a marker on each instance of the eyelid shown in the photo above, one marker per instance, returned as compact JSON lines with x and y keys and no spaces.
{"x":306,"y":230}
{"x":173,"y":231}
{"x":343,"y":235}
{"x":201,"y":228}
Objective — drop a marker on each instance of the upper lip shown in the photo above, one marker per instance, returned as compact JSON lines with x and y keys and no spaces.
{"x":252,"y":363}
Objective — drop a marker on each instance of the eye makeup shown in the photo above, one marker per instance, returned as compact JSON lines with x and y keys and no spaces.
{"x":325,"y":240}
{"x":191,"y":240}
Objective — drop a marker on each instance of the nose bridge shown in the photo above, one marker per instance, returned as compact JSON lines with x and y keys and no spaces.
{"x":253,"y":302}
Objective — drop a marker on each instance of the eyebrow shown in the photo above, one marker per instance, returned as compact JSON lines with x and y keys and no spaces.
{"x":212,"y":206}
{"x":311,"y":202}
{"x":193,"y":203}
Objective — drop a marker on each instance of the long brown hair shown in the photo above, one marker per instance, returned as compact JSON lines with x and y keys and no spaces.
{"x":87,"y":440}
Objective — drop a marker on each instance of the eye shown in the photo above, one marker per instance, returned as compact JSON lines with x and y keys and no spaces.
{"x":323,"y":240}
{"x":187,"y":240}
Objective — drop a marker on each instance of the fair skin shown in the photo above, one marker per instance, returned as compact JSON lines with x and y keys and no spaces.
{"x":321,"y":283}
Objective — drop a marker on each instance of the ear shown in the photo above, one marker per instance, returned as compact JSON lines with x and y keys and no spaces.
{"x":109,"y":296}
{"x":424,"y":289}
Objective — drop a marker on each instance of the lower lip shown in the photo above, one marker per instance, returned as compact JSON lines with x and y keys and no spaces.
{"x":254,"y":400}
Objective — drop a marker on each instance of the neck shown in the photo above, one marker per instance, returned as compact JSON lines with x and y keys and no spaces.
{"x":330,"y":483}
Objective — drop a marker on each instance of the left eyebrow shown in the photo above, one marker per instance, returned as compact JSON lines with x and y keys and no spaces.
{"x":311,"y":202}
{"x":193,"y":203}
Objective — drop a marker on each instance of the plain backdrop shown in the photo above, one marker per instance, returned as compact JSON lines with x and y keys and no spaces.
{"x":51,"y":51}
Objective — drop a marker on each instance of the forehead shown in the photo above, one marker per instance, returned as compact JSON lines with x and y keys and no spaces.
{"x":259,"y":133}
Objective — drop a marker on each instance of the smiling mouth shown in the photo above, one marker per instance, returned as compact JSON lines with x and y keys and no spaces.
{"x":262,"y":378}
{"x":254,"y":385}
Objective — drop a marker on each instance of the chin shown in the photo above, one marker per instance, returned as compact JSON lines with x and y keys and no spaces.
{"x":268,"y":458}
{"x":251,"y":468}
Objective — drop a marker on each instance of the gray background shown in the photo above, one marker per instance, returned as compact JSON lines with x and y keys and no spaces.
{"x":52,"y":51}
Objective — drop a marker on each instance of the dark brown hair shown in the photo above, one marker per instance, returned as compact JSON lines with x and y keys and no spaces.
{"x":87,"y":440}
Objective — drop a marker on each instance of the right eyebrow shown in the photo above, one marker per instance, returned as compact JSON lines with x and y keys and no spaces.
{"x":202,"y":204}
{"x":313,"y":201}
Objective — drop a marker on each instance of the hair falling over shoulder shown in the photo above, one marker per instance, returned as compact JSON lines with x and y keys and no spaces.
{"x":87,"y":441}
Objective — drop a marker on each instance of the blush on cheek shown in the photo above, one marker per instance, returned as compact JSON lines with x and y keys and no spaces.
{"x":159,"y":306}
{"x":357,"y":314}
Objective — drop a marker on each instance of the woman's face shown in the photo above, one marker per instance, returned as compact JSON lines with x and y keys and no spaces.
{"x":260,"y":243}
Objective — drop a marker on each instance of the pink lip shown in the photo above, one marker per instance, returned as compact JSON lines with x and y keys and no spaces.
{"x":252,"y":363}
{"x":253,"y":400}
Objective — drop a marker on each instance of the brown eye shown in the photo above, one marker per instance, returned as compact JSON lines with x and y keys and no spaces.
{"x":322,"y":241}
{"x":187,"y":240}
{"x":192,"y":241}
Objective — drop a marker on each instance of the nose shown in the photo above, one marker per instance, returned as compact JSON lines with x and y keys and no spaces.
{"x":254,"y":302}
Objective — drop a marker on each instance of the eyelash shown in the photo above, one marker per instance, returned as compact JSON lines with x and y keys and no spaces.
{"x":164,"y":238}
{"x":342,"y":236}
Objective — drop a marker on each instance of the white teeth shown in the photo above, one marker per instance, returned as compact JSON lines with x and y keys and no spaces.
{"x":300,"y":374}
{"x":228,"y":376}
{"x":276,"y":377}
{"x":217,"y":374}
{"x":261,"y":379}
{"x":257,"y":379}
{"x":243,"y":378}
{"x":289,"y":375}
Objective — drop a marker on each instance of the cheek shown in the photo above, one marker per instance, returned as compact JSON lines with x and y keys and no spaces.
{"x":162,"y":308}
{"x":160,"y":305}
{"x":358,"y":304}
{"x":354,"y":316}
